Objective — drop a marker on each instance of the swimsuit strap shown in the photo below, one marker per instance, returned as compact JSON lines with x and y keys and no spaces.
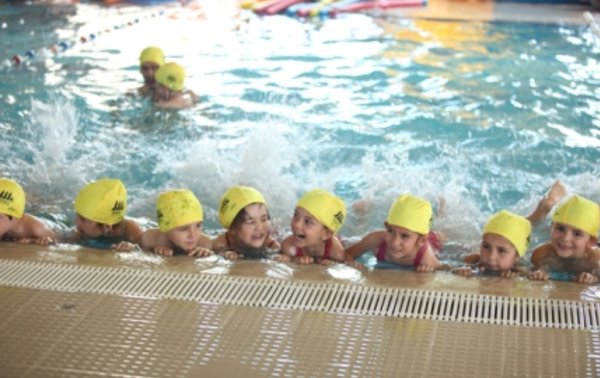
{"x":420,"y":254}
{"x":327,"y":252}
{"x":381,"y":251}
{"x":435,"y":241}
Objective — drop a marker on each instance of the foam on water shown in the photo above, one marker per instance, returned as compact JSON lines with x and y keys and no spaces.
{"x":479,"y":116}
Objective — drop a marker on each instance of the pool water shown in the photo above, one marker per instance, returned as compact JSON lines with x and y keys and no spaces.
{"x":485,"y":115}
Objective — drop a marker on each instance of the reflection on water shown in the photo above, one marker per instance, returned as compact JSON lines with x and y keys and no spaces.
{"x":278,"y":270}
{"x":138,"y":259}
{"x":345,"y":273}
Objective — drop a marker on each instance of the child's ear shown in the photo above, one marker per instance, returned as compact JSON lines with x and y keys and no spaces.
{"x":421,"y":240}
{"x":592,"y":242}
{"x":326,"y":234}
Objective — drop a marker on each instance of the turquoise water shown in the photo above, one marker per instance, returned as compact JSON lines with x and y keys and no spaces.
{"x":486,"y":115}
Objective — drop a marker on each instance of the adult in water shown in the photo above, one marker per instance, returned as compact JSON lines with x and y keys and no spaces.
{"x":169,"y":91}
{"x":151,"y":58}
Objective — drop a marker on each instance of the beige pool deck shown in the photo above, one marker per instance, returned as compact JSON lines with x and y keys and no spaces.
{"x":72,"y":312}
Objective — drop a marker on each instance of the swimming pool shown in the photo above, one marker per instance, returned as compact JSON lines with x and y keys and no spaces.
{"x":486,"y":115}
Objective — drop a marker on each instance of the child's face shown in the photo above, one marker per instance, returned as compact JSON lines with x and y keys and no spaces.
{"x":307,"y":230}
{"x":185,"y":237}
{"x":402,"y":242}
{"x":90,"y":228}
{"x":255,"y":229}
{"x":569,"y":241}
{"x":497,"y":253}
{"x":148,"y":70}
{"x":6,"y":223}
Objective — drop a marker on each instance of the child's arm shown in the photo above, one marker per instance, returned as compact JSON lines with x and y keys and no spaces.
{"x":429,"y":263}
{"x":271,"y":244}
{"x":471,"y":263}
{"x":151,"y":241}
{"x":369,"y":242}
{"x":203,"y":248}
{"x":132,"y":232}
{"x":35,"y":232}
{"x":219,"y":245}
{"x":555,"y":194}
{"x":285,"y":251}
{"x":541,"y":261}
{"x":338,"y":254}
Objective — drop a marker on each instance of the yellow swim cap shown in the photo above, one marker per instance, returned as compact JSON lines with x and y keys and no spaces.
{"x":412,"y":213}
{"x":12,"y":198}
{"x":234,"y":200}
{"x":581,"y":213}
{"x":152,"y":54}
{"x":171,"y":75}
{"x":514,"y":228}
{"x":103,"y":201}
{"x":326,"y":207}
{"x":177,"y":208}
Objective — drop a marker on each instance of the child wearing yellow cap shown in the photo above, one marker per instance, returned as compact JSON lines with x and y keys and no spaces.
{"x":243,"y":212}
{"x":169,"y":91}
{"x":407,"y":239}
{"x":572,"y":246}
{"x":179,"y":215}
{"x":504,"y":241}
{"x":100,"y":208}
{"x":15,"y":224}
{"x":317,"y":218}
{"x":151,"y":58}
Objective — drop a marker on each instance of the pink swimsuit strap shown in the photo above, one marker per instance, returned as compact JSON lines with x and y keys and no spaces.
{"x":326,"y":253}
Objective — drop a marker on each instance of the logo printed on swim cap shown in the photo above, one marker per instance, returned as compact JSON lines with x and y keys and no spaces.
{"x":339,"y":217}
{"x":118,"y":207}
{"x":327,"y":208}
{"x":224,"y":204}
{"x":6,"y":196}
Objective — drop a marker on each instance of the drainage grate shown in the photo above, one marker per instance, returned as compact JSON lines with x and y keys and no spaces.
{"x":300,"y":295}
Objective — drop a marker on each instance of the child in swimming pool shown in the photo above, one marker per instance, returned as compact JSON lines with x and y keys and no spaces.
{"x":100,"y":209}
{"x":317,"y":217}
{"x":15,"y":224}
{"x":505,"y":239}
{"x":151,"y":58}
{"x":180,"y":216}
{"x":406,"y":240}
{"x":572,"y":247}
{"x":169,"y":90}
{"x":243,"y":212}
